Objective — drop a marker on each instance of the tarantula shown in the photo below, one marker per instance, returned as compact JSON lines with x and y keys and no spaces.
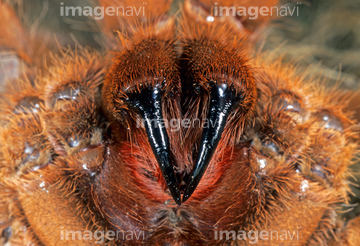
{"x":90,"y":148}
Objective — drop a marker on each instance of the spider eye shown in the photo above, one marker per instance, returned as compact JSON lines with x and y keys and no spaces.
{"x":329,"y":121}
{"x":29,"y":105}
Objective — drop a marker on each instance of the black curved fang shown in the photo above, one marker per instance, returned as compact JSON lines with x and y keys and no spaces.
{"x":222,"y":101}
{"x":148,"y":102}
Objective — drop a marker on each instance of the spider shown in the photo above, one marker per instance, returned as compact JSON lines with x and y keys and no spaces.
{"x":178,"y":133}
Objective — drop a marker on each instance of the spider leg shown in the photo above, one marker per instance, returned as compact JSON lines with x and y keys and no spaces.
{"x":15,"y":48}
{"x":347,"y":234}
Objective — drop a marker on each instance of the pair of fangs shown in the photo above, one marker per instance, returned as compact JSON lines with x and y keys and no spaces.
{"x":148,"y":103}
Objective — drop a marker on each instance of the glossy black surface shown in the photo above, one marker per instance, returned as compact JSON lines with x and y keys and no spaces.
{"x":222,"y":101}
{"x":148,"y":102}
